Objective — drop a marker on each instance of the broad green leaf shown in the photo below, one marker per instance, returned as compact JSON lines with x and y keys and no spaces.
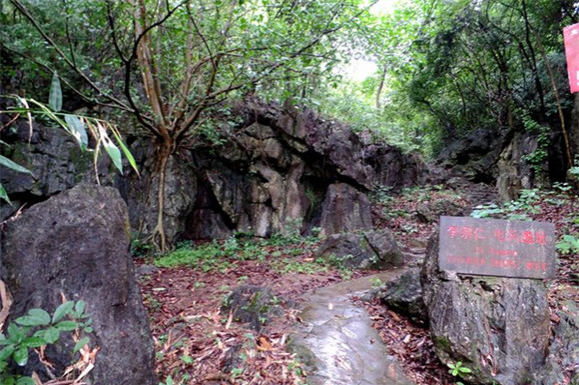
{"x":25,"y":381}
{"x":4,"y":195}
{"x":13,"y":166}
{"x":62,"y":310}
{"x":79,"y":307}
{"x":80,"y":344}
{"x":51,"y":335}
{"x":15,"y":333}
{"x":35,"y":317}
{"x":66,"y":326}
{"x":33,"y":342}
{"x":21,"y":356}
{"x":6,"y":352}
{"x":77,"y":129}
{"x":55,"y":96}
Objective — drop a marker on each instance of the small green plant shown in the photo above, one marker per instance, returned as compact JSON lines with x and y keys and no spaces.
{"x":568,"y":244}
{"x":36,"y":329}
{"x":207,"y":257}
{"x":376,"y":282}
{"x":458,"y":370}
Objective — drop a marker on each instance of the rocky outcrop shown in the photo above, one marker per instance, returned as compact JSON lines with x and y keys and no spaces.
{"x":476,"y":155}
{"x":498,"y":327}
{"x":515,"y":173}
{"x":76,"y":244}
{"x":54,"y":158}
{"x":345,"y":209}
{"x":278,"y":167}
{"x":264,"y":167}
{"x":362,"y":250}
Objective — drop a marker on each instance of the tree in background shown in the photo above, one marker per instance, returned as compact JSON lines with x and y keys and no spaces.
{"x":168,"y":63}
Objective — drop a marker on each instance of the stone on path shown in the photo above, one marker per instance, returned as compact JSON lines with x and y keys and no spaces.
{"x":337,"y":340}
{"x":372,"y":249}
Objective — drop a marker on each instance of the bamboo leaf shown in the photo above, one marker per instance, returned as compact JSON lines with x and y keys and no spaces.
{"x":125,"y":150}
{"x":110,"y":148}
{"x":13,"y":166}
{"x":4,"y":195}
{"x":55,"y":96}
{"x":77,"y":129}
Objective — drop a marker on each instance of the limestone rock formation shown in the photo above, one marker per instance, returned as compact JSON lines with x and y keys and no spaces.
{"x":404,"y":295}
{"x":345,"y":209}
{"x":76,"y":244}
{"x":279,"y":166}
{"x":375,"y":249}
{"x":54,"y":158}
{"x":498,"y":327}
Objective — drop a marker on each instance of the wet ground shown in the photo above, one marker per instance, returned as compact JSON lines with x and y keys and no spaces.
{"x":338,"y":337}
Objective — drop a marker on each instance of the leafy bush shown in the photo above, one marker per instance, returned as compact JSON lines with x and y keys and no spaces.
{"x":36,"y":329}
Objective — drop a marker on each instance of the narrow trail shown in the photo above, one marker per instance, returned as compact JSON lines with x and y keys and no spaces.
{"x":339,"y":338}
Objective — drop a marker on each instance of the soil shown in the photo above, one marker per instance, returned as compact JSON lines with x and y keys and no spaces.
{"x":199,"y":343}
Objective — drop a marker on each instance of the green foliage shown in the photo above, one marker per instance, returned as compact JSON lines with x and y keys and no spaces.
{"x":538,"y":157}
{"x":76,"y":125}
{"x":458,"y":370}
{"x":206,"y":257}
{"x":518,"y":209}
{"x":568,"y":244}
{"x":36,"y":329}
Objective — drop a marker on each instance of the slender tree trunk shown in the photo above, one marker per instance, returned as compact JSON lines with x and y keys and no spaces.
{"x":380,"y":87}
{"x":159,"y":236}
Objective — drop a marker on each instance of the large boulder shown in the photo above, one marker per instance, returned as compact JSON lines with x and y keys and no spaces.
{"x":404,"y":295}
{"x":345,"y":209}
{"x":76,"y":244}
{"x":498,"y":327}
{"x":376,"y":249}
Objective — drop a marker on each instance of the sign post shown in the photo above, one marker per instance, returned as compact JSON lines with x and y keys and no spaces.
{"x":497,"y":247}
{"x":571,"y":39}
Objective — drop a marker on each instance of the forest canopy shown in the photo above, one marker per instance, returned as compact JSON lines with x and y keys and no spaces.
{"x":444,"y":68}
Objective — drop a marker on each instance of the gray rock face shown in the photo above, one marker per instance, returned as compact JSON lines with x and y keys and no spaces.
{"x":404,"y":295}
{"x":76,"y":243}
{"x":54,"y":158}
{"x":515,"y":172}
{"x":363,"y":250}
{"x":476,"y":155}
{"x":280,"y":167}
{"x":499,"y":328}
{"x":430,"y":211}
{"x":562,"y":365}
{"x":345,"y":209}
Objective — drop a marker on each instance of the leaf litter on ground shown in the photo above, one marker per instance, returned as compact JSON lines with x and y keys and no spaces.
{"x":197,"y":343}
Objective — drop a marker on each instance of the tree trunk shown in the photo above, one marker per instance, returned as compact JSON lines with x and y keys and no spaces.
{"x":158,"y":236}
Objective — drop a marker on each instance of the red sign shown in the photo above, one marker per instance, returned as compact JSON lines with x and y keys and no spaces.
{"x":571,"y":38}
{"x":497,"y":247}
